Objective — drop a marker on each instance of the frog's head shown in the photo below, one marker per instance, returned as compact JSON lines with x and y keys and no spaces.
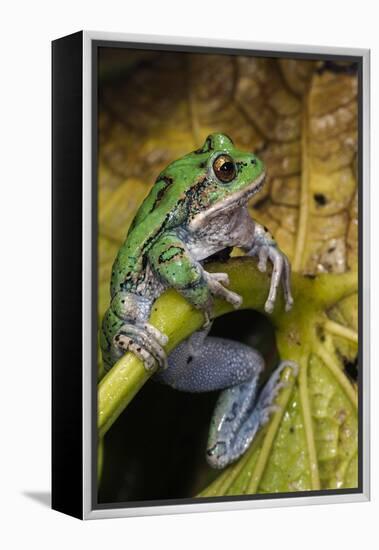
{"x":226,"y":180}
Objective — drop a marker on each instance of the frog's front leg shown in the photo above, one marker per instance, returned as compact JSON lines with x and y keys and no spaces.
{"x":125,"y":328}
{"x":202,"y":364}
{"x":264,"y":247}
{"x":175,"y":267}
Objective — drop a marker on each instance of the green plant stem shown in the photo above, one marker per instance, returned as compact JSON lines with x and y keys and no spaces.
{"x":175,"y":317}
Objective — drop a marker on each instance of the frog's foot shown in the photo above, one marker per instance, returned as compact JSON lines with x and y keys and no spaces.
{"x":233,"y":425}
{"x":161,"y":338}
{"x":266,"y":401}
{"x":281,"y":273}
{"x":239,"y":415}
{"x":215,"y":283}
{"x":265,"y":248}
{"x":144,"y":341}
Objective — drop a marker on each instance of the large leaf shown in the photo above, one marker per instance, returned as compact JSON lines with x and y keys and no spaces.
{"x":300,"y":116}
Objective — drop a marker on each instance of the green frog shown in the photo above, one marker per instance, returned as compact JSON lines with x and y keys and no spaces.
{"x":197,"y":208}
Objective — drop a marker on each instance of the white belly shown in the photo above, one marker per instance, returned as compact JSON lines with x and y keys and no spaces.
{"x":233,"y":229}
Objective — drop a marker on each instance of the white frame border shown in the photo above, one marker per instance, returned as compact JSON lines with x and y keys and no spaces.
{"x":88,"y":512}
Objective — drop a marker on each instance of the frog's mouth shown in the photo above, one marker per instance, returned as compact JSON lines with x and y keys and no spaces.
{"x":229,"y":204}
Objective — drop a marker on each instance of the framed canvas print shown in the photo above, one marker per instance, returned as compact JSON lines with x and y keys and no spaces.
{"x":210,"y":275}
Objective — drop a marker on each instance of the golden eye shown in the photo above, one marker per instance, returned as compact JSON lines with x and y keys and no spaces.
{"x":224,"y":168}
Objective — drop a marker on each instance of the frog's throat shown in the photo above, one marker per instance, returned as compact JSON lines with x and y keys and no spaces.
{"x":232,"y":202}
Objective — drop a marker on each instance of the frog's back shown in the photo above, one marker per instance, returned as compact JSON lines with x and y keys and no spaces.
{"x":163,"y":208}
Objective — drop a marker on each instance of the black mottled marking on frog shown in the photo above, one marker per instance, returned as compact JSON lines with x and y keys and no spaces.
{"x":168,"y":181}
{"x":207,"y":147}
{"x":133,"y":279}
{"x":171,"y":253}
{"x":105,"y":331}
{"x":233,"y":413}
{"x":161,"y":193}
{"x":240,"y":166}
{"x":191,"y":197}
{"x":320,"y":199}
{"x":196,"y":196}
{"x":219,"y":444}
{"x":311,"y":276}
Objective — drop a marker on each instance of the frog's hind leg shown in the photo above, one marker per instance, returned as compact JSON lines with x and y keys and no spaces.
{"x":203,"y":364}
{"x":239,"y":414}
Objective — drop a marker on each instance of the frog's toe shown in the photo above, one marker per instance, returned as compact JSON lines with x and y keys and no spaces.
{"x":266,"y":402}
{"x":207,"y":319}
{"x":289,"y":303}
{"x":218,"y":456}
{"x":269,"y":306}
{"x":221,"y":278}
{"x":125,"y":343}
{"x":160,"y":337}
{"x":143,"y":344}
{"x":234,"y":299}
{"x":216,"y":281}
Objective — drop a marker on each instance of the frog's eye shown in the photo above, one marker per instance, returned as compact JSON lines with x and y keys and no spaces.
{"x":224,"y":168}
